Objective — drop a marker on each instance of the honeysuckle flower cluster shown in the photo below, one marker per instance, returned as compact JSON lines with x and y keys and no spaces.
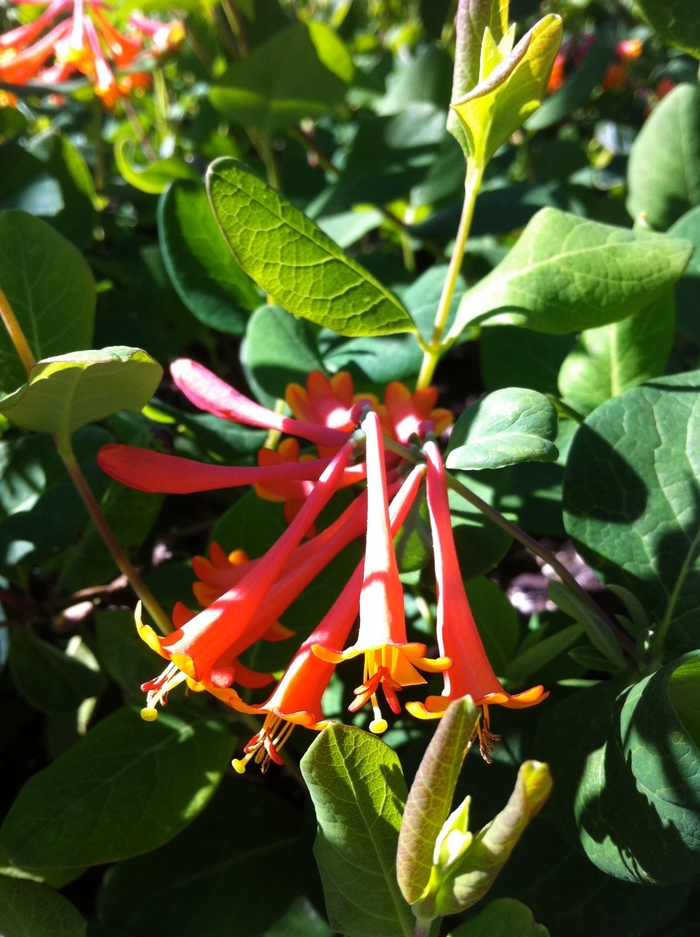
{"x":72,"y":37}
{"x":243,"y":599}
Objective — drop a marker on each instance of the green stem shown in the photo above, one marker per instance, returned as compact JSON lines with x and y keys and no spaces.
{"x":423,"y":927}
{"x":65,"y":450}
{"x":265,"y":151}
{"x":527,"y":541}
{"x":17,"y":336}
{"x":436,"y":348}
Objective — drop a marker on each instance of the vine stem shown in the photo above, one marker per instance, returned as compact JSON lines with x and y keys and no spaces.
{"x":435,"y":348}
{"x":527,"y":541}
{"x":424,"y":927}
{"x":65,"y":450}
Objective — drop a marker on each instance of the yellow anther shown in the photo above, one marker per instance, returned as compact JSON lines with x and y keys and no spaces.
{"x":377,"y":726}
{"x":148,"y":714}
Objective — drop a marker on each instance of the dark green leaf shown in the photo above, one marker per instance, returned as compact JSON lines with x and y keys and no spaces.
{"x":358,"y":789}
{"x":480,"y":543}
{"x":577,"y":88}
{"x":422,"y":297}
{"x":297,"y":264}
{"x":28,"y":909}
{"x":631,"y":500}
{"x":506,"y":427}
{"x":687,"y":289}
{"x":599,"y":632}
{"x":68,"y":391}
{"x":496,"y":620}
{"x":207,"y":278}
{"x":124,"y":789}
{"x":426,"y":79}
{"x":251,"y":524}
{"x":504,"y":917}
{"x":663,"y":176}
{"x":513,"y":357}
{"x":279,"y":350}
{"x":567,"y":273}
{"x":300,"y":72}
{"x":608,"y":361}
{"x":375,"y":362}
{"x":47,"y":678}
{"x":301,"y":920}
{"x":214,"y":878}
{"x":430,"y":798}
{"x":50,"y":288}
{"x":534,"y":658}
{"x":676,"y":21}
{"x":121,"y":652}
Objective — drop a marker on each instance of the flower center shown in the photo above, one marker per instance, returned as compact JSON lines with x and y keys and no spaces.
{"x":157,"y":690}
{"x":380,"y":664}
{"x":265,"y":747}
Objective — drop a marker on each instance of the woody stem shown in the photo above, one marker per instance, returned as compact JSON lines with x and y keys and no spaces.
{"x":527,"y":541}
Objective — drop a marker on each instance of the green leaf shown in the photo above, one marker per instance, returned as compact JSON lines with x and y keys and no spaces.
{"x":630,"y":499}
{"x":597,"y":629}
{"x":250,"y":524}
{"x":47,"y":678}
{"x":358,"y":789}
{"x":152,"y":178}
{"x":50,"y":289}
{"x":376,"y":361}
{"x":514,"y":357}
{"x":506,"y":427}
{"x":512,"y":85}
{"x":469,"y":877}
{"x":663,"y":174}
{"x":676,"y":21}
{"x":207,"y":278}
{"x":430,"y":797}
{"x":124,"y":789}
{"x":567,"y":273}
{"x":214,"y":878}
{"x":122,"y":654}
{"x":66,"y":392}
{"x":296,"y":263}
{"x":687,"y":289}
{"x":504,"y":917}
{"x":28,"y":909}
{"x":422,"y":297}
{"x":577,"y":88}
{"x":496,"y":620}
{"x":609,"y":360}
{"x":279,"y":349}
{"x":480,"y":543}
{"x":534,"y":658}
{"x":300,"y":72}
{"x":301,"y":920}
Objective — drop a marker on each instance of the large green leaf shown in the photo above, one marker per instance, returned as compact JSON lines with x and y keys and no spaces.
{"x":50,"y":680}
{"x":631,"y":501}
{"x":663,"y":175}
{"x":28,"y":909}
{"x":430,"y":797}
{"x":676,"y":21}
{"x":279,"y":349}
{"x":687,"y":289}
{"x":124,"y":789}
{"x":214,"y":878}
{"x":68,"y":391}
{"x":294,"y":261}
{"x":207,"y":278}
{"x":121,"y":652}
{"x":515,"y":357}
{"x":504,"y":917}
{"x":358,"y":789}
{"x":300,"y":72}
{"x":50,"y":288}
{"x":506,"y":427}
{"x":567,"y":273}
{"x":609,"y":360}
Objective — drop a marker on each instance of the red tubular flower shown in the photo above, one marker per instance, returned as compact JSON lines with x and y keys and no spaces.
{"x":22,"y":67}
{"x":19,"y":38}
{"x":104,"y":82}
{"x":195,"y":649}
{"x":332,"y":403}
{"x":124,"y":49}
{"x":390,"y":660}
{"x":166,"y":37}
{"x":208,"y":392}
{"x":471,"y":672}
{"x":296,"y":699}
{"x":404,"y":414}
{"x":156,"y":472}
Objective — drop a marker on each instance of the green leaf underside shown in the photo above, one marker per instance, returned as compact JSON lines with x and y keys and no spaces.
{"x":504,"y":917}
{"x":506,"y":427}
{"x":207,"y":278}
{"x":567,"y":273}
{"x":125,"y":788}
{"x":28,"y":909}
{"x":66,"y":392}
{"x":50,"y":289}
{"x":358,"y":789}
{"x":631,"y":502}
{"x":295,"y":262}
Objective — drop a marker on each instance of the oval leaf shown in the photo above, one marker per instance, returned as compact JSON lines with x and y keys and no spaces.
{"x":153,"y":178}
{"x":124,"y":789}
{"x":207,"y":278}
{"x":68,"y":391}
{"x":676,"y":21}
{"x":506,"y":427}
{"x":50,"y":289}
{"x":28,"y":909}
{"x":504,"y":917}
{"x":357,"y":786}
{"x":567,"y":273}
{"x":295,"y":262}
